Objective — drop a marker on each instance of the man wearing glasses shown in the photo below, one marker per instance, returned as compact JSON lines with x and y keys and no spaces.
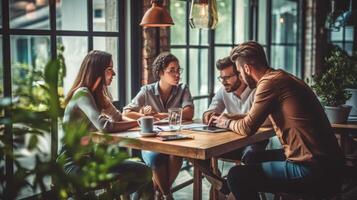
{"x":236,"y":98}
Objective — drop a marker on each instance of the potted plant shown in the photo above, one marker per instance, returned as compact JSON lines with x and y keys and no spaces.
{"x":330,"y":86}
{"x":351,"y":84}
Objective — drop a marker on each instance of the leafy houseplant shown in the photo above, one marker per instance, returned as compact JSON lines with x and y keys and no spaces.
{"x":351,"y":85}
{"x":29,"y":120}
{"x":330,"y":86}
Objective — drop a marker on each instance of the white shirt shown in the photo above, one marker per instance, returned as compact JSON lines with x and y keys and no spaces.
{"x":231,"y":103}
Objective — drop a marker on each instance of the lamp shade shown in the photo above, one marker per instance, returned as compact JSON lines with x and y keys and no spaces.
{"x":156,"y":16}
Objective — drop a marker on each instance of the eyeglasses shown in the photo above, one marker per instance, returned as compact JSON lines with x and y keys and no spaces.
{"x":225,"y":78}
{"x":172,"y":71}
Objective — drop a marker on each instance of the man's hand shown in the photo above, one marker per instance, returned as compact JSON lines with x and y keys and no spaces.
{"x":208,"y":118}
{"x":222,"y":121}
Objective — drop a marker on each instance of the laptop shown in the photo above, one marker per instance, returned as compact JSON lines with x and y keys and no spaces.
{"x":210,"y":129}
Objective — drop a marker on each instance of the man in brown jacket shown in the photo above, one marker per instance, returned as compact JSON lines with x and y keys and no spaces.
{"x":311,"y":160}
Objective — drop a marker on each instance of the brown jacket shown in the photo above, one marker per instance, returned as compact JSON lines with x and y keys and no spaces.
{"x":298,"y":118}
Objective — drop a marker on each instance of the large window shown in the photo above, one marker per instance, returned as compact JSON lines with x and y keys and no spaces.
{"x":198,"y":49}
{"x":37,"y":29}
{"x":343,"y":37}
{"x":273,"y":23}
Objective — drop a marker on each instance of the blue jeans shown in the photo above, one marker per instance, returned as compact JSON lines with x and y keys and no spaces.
{"x":246,"y":154}
{"x":154,"y":159}
{"x":279,"y":175}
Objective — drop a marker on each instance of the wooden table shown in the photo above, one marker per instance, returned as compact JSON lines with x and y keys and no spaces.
{"x":203,"y":146}
{"x":344,"y":130}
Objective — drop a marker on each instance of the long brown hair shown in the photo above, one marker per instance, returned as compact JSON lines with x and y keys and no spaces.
{"x":93,"y":67}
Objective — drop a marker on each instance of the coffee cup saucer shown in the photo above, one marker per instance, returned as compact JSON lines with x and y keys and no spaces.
{"x":150,"y":134}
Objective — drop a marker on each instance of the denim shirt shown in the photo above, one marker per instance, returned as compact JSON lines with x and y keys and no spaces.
{"x":180,"y":97}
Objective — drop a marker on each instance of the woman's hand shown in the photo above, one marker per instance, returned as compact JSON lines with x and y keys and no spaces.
{"x":147,"y":110}
{"x":161,"y":115}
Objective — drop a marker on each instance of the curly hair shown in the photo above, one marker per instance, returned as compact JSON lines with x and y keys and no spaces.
{"x":161,"y":62}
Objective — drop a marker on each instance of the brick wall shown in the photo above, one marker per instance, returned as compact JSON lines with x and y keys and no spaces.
{"x":155,"y":40}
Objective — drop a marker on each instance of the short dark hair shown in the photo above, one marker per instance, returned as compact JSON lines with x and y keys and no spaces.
{"x":250,"y":52}
{"x":226,"y":62}
{"x":161,"y":62}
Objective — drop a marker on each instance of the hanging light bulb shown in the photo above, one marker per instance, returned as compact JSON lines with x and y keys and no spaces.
{"x":203,"y":14}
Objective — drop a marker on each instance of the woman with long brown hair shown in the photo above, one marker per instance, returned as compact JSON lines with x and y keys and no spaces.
{"x":88,"y":102}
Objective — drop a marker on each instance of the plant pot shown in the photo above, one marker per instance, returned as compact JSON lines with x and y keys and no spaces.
{"x":337,"y":114}
{"x":352,"y":101}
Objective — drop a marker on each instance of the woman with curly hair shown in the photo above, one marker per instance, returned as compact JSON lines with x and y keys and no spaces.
{"x":155,"y":99}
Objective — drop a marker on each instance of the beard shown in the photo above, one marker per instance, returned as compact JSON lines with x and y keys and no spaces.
{"x":232,"y":87}
{"x":249,"y":81}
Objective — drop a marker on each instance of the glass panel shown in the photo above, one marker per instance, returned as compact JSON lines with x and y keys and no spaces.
{"x":284,"y":21}
{"x":1,"y":70}
{"x":29,"y":55}
{"x":349,"y":48}
{"x":178,"y":14}
{"x":241,"y":21}
{"x":198,"y":81}
{"x":1,"y":14}
{"x":337,"y":35}
{"x":262,"y":25}
{"x":284,"y":57}
{"x":105,"y":15}
{"x":220,"y":52}
{"x":110,"y":45}
{"x":181,"y":55}
{"x":75,"y":49}
{"x":224,"y":26}
{"x":29,"y":14}
{"x":349,"y":33}
{"x":201,"y":106}
{"x":198,"y":36}
{"x":72,"y":15}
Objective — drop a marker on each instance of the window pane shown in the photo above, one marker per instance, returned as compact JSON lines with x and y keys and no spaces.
{"x":1,"y":14}
{"x":220,"y":52}
{"x":1,"y":70}
{"x":29,"y":14}
{"x":198,"y":36}
{"x":349,"y":48}
{"x":198,"y":81}
{"x":201,"y":106}
{"x":262,"y":19}
{"x":75,"y":49}
{"x":178,"y":14}
{"x":29,"y":55}
{"x":284,"y":57}
{"x":110,"y":45}
{"x":224,"y":25}
{"x":337,"y":35}
{"x":241,"y":21}
{"x":181,"y":55}
{"x":105,"y":15}
{"x":72,"y":15}
{"x":284,"y":21}
{"x":349,"y":33}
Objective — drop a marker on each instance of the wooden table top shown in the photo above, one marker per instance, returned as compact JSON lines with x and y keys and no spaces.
{"x":351,"y":125}
{"x":203,"y":146}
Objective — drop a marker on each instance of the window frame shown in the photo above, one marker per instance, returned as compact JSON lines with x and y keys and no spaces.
{"x":53,"y":33}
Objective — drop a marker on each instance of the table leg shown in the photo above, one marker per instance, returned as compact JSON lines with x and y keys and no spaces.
{"x":214,"y":165}
{"x":197,"y":184}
